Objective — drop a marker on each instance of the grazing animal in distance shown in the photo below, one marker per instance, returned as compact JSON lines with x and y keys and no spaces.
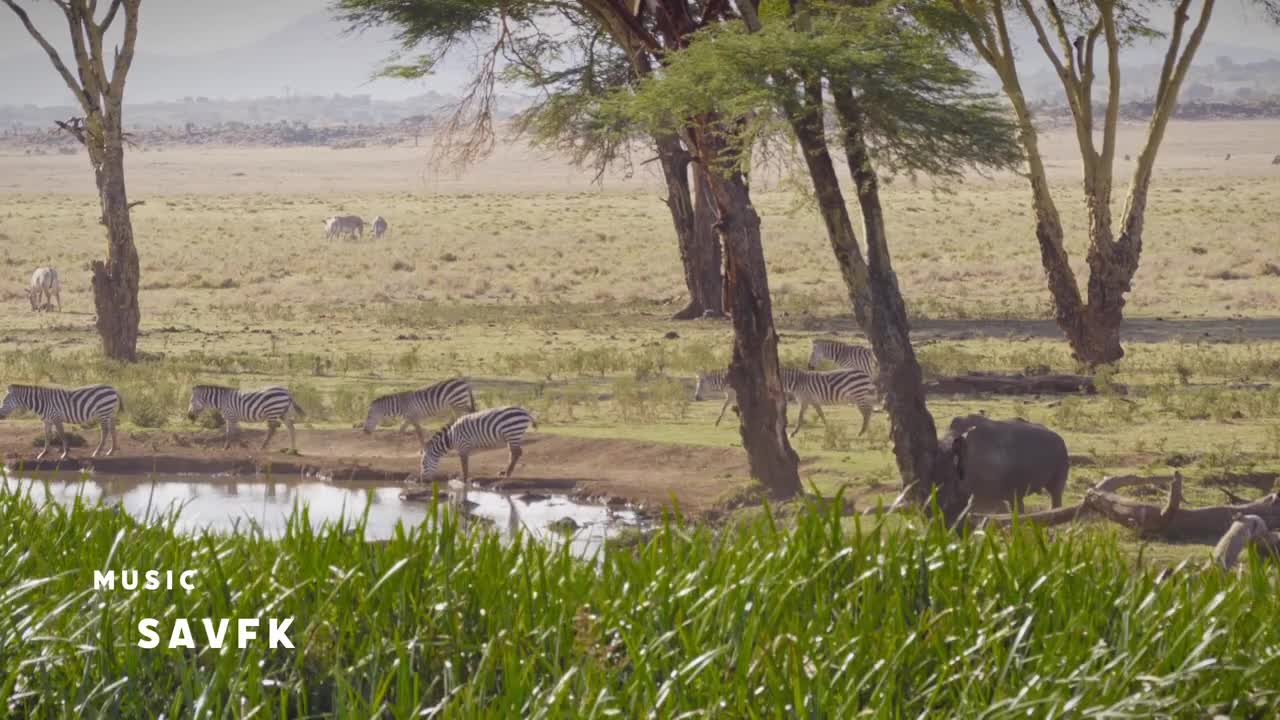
{"x":417,"y":405}
{"x":339,"y":225}
{"x":44,"y":289}
{"x":270,"y":405}
{"x":997,"y":461}
{"x":56,"y":406}
{"x":490,"y":428}
{"x":379,"y":227}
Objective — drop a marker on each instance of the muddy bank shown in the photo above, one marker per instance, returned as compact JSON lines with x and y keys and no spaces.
{"x":647,"y":475}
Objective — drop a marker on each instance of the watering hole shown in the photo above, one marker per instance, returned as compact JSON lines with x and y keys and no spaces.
{"x":232,"y":504}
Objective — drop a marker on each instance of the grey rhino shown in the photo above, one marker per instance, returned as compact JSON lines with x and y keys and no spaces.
{"x":997,"y":461}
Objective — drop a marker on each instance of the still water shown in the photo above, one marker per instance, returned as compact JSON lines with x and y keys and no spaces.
{"x":230,"y":503}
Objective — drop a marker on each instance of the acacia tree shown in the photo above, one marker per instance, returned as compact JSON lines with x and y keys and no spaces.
{"x":100,"y":95}
{"x":647,"y":34}
{"x":1069,"y":32}
{"x":572,"y":69}
{"x":900,"y":104}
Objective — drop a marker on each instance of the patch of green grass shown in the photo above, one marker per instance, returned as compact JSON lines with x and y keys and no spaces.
{"x":819,"y":616}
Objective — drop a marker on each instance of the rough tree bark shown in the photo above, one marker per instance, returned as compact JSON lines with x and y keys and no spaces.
{"x":1090,"y":323}
{"x":101,"y":99}
{"x":693,"y":215}
{"x":914,"y":434}
{"x":754,"y":372}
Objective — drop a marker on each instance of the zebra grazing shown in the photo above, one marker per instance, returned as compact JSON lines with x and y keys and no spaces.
{"x":844,"y":355}
{"x":477,"y":431}
{"x":379,"y":227}
{"x":417,"y":405}
{"x":809,"y":388}
{"x":44,"y":289}
{"x":58,"y":405}
{"x":340,"y":225}
{"x":273,"y":404}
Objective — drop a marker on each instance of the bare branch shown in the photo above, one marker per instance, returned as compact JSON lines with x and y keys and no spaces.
{"x":124,"y":59}
{"x":136,"y":203}
{"x":110,"y":16}
{"x":73,"y":127}
{"x":49,"y":50}
{"x":1107,"y":10}
{"x":1171,"y":55}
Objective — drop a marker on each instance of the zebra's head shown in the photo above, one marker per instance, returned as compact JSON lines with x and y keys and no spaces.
{"x":436,"y":448}
{"x":32,"y":294}
{"x":817,"y":354}
{"x":202,"y":396}
{"x":11,"y":401}
{"x":377,"y":410}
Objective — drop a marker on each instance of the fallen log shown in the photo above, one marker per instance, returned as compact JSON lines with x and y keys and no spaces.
{"x":982,"y":383}
{"x":1048,"y":518}
{"x":1240,"y":535}
{"x":1174,"y":522}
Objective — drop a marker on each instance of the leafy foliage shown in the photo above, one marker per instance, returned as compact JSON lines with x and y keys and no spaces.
{"x":758,"y":621}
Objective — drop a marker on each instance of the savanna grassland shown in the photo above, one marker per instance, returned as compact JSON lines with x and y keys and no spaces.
{"x":550,"y":290}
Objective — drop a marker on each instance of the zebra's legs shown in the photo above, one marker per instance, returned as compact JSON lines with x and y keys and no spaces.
{"x":422,"y":440}
{"x":271,"y":430}
{"x":62,"y":433}
{"x":465,"y":474}
{"x":113,"y":438}
{"x":103,"y":440}
{"x":818,"y":409}
{"x":516,"y":452}
{"x":43,"y":452}
{"x":727,"y":399}
{"x":232,"y":429}
{"x":293,"y":442}
{"x":800,"y":418}
{"x":58,"y":294}
{"x":866,"y":419}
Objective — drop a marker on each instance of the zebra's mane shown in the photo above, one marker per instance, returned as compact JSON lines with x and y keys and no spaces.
{"x":21,"y":386}
{"x":213,"y":387}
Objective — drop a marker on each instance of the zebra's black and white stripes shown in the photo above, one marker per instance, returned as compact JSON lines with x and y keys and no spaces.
{"x":808,"y":388}
{"x":92,"y":403}
{"x":844,"y":355}
{"x":830,"y":388}
{"x":270,"y":405}
{"x":490,"y":428}
{"x":417,"y":405}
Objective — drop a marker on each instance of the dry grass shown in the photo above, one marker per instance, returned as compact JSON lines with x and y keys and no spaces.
{"x":554,"y":292}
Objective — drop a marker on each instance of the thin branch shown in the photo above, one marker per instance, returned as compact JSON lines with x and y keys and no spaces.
{"x":124,"y":60}
{"x":1171,"y":55}
{"x":1107,"y":10}
{"x":49,"y":50}
{"x":1060,"y":27}
{"x":110,"y":16}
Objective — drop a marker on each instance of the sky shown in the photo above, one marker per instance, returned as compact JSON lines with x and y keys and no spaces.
{"x":249,"y":48}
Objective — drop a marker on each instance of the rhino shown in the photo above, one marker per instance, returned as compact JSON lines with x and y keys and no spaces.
{"x":998,"y":461}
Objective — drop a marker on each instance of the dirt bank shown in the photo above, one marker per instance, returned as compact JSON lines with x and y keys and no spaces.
{"x":646,"y":474}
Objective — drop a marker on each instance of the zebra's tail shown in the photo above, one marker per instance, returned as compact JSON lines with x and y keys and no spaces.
{"x":119,"y":402}
{"x":533,"y":422}
{"x":296,"y":407}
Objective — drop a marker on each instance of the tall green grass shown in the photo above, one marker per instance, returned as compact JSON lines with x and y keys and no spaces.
{"x":814,"y":619}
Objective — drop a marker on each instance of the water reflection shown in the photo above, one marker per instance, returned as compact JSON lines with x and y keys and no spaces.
{"x":232,"y":503}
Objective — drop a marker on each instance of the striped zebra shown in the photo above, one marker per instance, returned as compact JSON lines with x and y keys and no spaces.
{"x":809,"y":388}
{"x":273,"y":405}
{"x":58,"y":405}
{"x":478,"y":431}
{"x":844,"y":355}
{"x":417,"y":405}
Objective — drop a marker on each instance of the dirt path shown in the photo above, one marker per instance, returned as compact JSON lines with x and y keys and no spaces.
{"x":641,"y":473}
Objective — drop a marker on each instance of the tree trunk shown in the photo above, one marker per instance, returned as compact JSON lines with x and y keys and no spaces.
{"x":754,"y":372}
{"x":807,"y":123}
{"x":115,"y":282}
{"x":694,"y":221}
{"x":915,"y":437}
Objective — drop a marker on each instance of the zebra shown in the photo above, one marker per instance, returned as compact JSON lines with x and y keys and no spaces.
{"x":825,"y":388}
{"x":273,"y":404}
{"x":844,"y":355}
{"x":44,"y":289}
{"x":379,"y":227}
{"x":340,"y":225}
{"x":58,"y":405}
{"x":477,"y":431}
{"x":416,"y":405}
{"x":808,"y":388}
